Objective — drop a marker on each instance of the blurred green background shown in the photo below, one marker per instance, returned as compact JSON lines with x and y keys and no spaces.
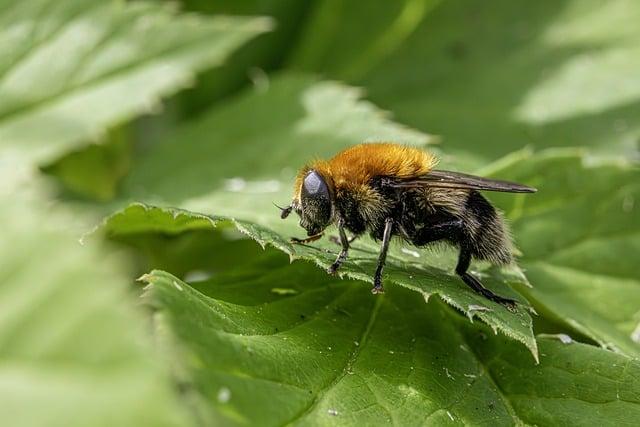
{"x":210,"y":107}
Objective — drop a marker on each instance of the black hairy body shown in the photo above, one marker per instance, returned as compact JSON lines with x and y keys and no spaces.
{"x":467,"y":221}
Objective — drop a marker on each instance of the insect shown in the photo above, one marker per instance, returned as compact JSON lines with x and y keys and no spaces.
{"x":388,"y":190}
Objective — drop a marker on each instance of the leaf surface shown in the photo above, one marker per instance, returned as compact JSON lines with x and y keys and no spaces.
{"x":492,"y":77}
{"x":419,"y":275}
{"x":326,"y":352}
{"x":579,"y":237}
{"x":119,"y":60}
{"x":73,"y":347}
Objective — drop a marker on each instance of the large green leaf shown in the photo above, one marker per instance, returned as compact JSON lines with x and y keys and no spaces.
{"x":406,"y":267}
{"x":254,"y":167}
{"x":70,"y":69}
{"x":278,"y":344}
{"x":491,"y":77}
{"x":580,"y":237}
{"x":73,"y":347}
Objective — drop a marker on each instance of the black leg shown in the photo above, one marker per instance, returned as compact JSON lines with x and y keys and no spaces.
{"x":308,"y":239}
{"x":386,"y":238}
{"x":461,"y":269}
{"x":450,"y":229}
{"x":345,"y":248}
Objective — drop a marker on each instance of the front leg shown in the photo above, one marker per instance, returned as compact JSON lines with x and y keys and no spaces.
{"x":344,"y":241}
{"x":308,"y":239}
{"x":386,"y":238}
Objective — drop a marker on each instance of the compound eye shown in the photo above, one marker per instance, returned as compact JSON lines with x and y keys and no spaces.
{"x":314,"y":186}
{"x":316,"y":200}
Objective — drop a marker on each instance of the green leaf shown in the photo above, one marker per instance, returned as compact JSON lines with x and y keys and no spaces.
{"x":74,"y":349}
{"x":418,"y":274}
{"x":579,"y":236}
{"x":329,"y":353}
{"x":119,"y":60}
{"x":95,"y":171}
{"x":491,"y":77}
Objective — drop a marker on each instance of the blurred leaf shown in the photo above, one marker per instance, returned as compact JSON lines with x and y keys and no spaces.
{"x":73,"y":350}
{"x":579,"y":236}
{"x":119,"y":59}
{"x":250,"y":63}
{"x":95,"y":171}
{"x":366,"y":35}
{"x":255,"y":140}
{"x":491,"y":77}
{"x":328,"y":353}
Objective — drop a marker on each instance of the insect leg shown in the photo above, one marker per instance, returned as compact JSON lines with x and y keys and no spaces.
{"x":447,"y":229}
{"x":461,"y":269}
{"x":344,"y":241}
{"x":308,"y":239}
{"x":386,"y":238}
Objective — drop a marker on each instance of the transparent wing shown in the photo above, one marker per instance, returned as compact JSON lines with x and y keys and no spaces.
{"x":448,"y":179}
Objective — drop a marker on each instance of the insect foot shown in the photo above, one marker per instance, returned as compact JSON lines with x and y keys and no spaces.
{"x":377,"y":287}
{"x":333,"y":268}
{"x":508,"y":303}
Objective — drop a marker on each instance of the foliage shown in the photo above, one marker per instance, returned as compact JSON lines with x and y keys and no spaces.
{"x":326,"y":352}
{"x":72,"y":345}
{"x":234,"y":334}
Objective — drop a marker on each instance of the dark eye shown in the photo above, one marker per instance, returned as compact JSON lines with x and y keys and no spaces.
{"x":316,"y":200}
{"x":314,"y":186}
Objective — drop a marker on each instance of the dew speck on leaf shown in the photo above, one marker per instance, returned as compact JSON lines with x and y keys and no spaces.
{"x":411,"y":252}
{"x":284,"y":291}
{"x":446,"y":370}
{"x":196,"y":276}
{"x":635,"y":335}
{"x":563,"y":338}
{"x":224,"y":395}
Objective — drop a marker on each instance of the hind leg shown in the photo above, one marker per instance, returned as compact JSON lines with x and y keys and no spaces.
{"x":461,"y":269}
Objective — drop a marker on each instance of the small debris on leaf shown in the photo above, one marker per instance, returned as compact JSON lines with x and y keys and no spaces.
{"x":284,"y":291}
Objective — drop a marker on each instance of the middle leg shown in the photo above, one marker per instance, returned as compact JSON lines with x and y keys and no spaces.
{"x":344,"y":241}
{"x":386,"y":238}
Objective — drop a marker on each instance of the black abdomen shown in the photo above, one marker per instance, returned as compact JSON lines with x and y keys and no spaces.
{"x":464,"y":219}
{"x":490,"y":239}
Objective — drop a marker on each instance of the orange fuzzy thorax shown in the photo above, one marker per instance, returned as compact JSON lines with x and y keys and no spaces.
{"x":357,"y":165}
